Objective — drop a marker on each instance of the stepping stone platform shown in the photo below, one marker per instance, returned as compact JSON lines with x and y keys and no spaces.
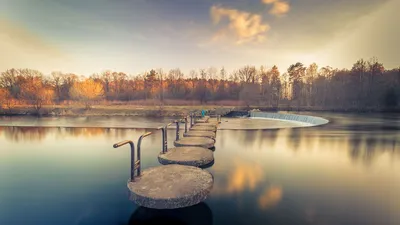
{"x":171,"y":187}
{"x":189,"y":156}
{"x":195,"y":142}
{"x":205,"y":124}
{"x":203,"y":128}
{"x":192,"y":133}
{"x":201,"y":121}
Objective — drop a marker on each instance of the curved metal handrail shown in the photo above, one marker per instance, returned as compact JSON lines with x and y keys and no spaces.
{"x":133,"y":163}
{"x":164,"y":143}
{"x":177,"y":129}
{"x":186,"y":120}
{"x":139,"y":144}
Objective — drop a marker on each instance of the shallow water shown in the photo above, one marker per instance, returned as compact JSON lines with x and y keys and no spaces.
{"x":345,"y":172}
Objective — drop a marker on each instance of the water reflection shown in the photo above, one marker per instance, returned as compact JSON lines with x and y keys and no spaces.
{"x":199,"y":214}
{"x":271,"y":196}
{"x":335,"y":174}
{"x":39,"y":134}
{"x":240,"y":177}
{"x":361,"y":147}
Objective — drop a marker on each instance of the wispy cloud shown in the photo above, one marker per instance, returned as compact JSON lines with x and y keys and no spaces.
{"x":245,"y":26}
{"x":279,"y":7}
{"x":22,"y":48}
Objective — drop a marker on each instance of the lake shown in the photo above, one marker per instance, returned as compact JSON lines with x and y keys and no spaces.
{"x":345,"y":172}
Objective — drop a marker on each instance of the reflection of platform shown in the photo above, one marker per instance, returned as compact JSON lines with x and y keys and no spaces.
{"x":199,"y":214}
{"x":190,"y":156}
{"x":171,"y":186}
{"x":195,"y":142}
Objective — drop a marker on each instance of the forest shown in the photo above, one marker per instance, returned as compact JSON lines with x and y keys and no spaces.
{"x":367,"y":86}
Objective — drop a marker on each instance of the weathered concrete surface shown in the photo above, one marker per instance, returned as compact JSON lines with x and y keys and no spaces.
{"x":189,"y":156}
{"x":201,"y":121}
{"x":206,"y":125}
{"x":195,"y":142}
{"x":208,"y":134}
{"x":171,"y":187}
{"x":203,"y":128}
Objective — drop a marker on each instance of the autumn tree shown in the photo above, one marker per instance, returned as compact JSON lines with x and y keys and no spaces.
{"x":34,"y":91}
{"x":87,"y":91}
{"x":296,"y":74}
{"x":275,"y":85}
{"x":7,"y":101}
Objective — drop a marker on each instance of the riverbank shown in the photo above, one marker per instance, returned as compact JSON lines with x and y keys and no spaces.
{"x":106,"y":110}
{"x":163,"y":111}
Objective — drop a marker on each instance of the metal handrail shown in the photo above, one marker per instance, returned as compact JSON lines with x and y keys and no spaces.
{"x":186,"y":120}
{"x":139,"y":144}
{"x":133,"y":163}
{"x":164,"y":143}
{"x":177,"y":129}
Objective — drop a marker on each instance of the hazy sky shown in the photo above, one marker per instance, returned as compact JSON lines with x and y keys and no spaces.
{"x":88,"y":36}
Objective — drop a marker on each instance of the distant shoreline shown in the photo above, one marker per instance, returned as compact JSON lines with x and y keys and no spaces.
{"x":164,"y":111}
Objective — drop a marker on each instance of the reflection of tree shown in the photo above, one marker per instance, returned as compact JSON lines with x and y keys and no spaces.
{"x":295,"y":138}
{"x":25,"y":134}
{"x":29,"y":134}
{"x":244,"y":137}
{"x":354,"y":148}
{"x":361,"y":146}
{"x":267,"y":138}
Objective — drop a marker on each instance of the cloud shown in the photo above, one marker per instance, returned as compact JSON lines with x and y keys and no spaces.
{"x":269,"y":1}
{"x":245,"y":26}
{"x":22,"y":48}
{"x":279,"y":7}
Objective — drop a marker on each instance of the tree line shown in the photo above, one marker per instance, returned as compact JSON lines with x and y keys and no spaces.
{"x":366,"y":86}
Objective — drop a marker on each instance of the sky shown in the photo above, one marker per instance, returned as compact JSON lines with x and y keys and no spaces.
{"x":133,"y":36}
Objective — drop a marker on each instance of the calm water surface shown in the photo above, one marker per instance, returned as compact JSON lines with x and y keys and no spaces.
{"x":346,"y":172}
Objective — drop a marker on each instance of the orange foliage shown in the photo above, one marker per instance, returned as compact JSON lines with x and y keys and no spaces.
{"x":87,"y":91}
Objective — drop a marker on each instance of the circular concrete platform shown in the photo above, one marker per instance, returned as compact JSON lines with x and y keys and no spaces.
{"x":192,"y":133}
{"x":205,"y":124}
{"x":189,"y":156}
{"x":171,"y":187}
{"x":201,"y":121}
{"x":203,"y":128}
{"x":195,"y":142}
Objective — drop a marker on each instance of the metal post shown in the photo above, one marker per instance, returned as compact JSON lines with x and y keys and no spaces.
{"x":177,"y":130}
{"x":186,"y":119}
{"x":164,"y":139}
{"x":191,"y":120}
{"x":132,"y":156}
{"x":139,"y":143}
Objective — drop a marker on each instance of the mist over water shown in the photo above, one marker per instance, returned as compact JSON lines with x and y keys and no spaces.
{"x":345,"y":172}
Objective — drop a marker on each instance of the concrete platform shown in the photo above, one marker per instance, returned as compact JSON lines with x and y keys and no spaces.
{"x":171,"y":187}
{"x":195,"y":142}
{"x":192,"y":133}
{"x":206,"y":124}
{"x":189,"y":156}
{"x":203,"y":128}
{"x":201,"y":121}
